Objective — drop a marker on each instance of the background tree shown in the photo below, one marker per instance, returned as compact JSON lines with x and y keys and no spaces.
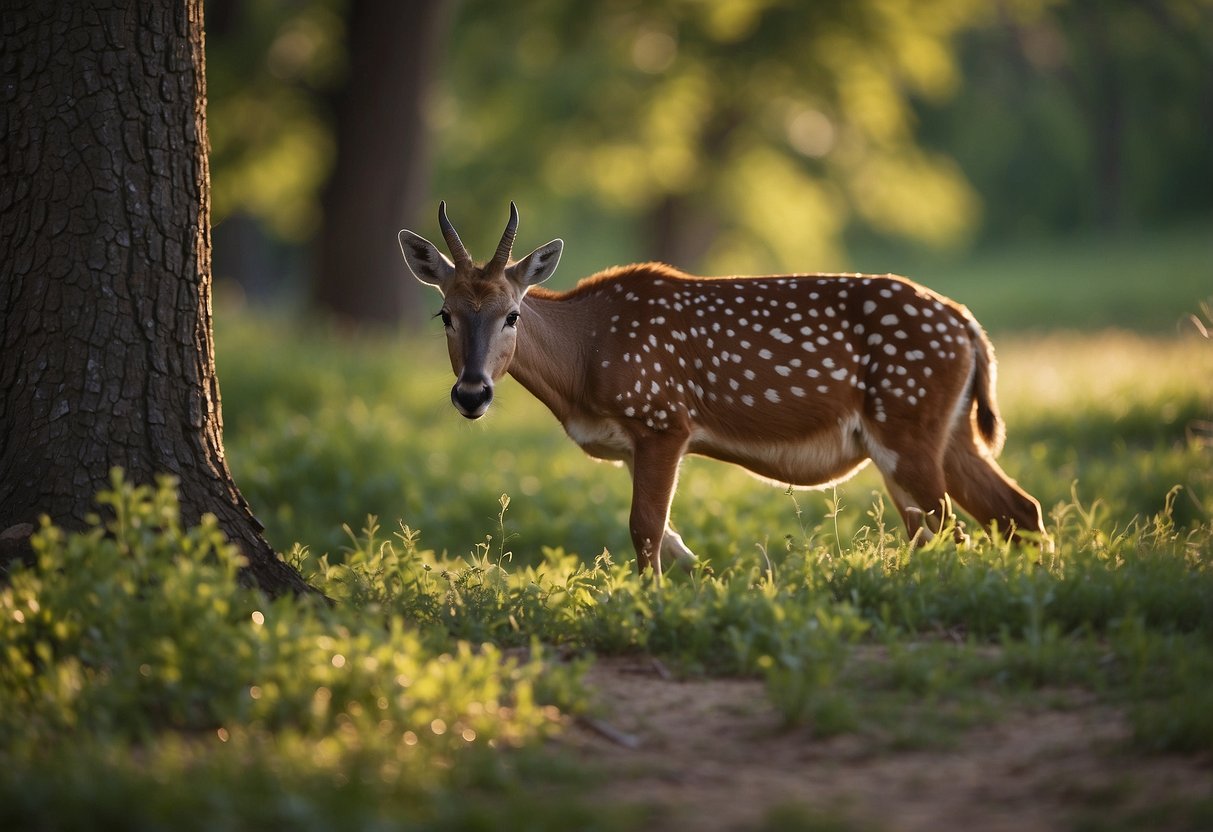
{"x":1083,"y":116}
{"x":750,"y":135}
{"x":380,"y":173}
{"x":106,"y":354}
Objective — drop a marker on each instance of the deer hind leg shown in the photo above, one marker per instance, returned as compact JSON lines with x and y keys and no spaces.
{"x":982,"y":489}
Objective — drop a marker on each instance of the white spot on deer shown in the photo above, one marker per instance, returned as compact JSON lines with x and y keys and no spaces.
{"x":889,"y":320}
{"x":839,"y":374}
{"x":772,"y":396}
{"x":747,"y":400}
{"x":890,"y":349}
{"x":764,"y":354}
{"x":782,"y":370}
{"x":910,"y":310}
{"x":869,"y":306}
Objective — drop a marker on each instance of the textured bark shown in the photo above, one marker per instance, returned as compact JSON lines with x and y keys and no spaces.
{"x":380,"y":172}
{"x":106,"y":355}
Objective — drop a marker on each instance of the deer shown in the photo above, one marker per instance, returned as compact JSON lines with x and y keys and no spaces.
{"x":801,"y":379}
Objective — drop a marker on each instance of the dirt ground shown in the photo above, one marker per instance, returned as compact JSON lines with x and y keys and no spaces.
{"x":711,"y":754}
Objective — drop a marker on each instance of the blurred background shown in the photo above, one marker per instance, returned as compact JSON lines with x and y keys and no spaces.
{"x":948,"y":140}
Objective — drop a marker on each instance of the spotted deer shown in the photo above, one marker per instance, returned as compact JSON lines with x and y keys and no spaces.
{"x":801,"y":378}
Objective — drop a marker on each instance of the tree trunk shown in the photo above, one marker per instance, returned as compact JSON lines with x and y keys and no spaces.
{"x":380,"y":173}
{"x":106,"y":354}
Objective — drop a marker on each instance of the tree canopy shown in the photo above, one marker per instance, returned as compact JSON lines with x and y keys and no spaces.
{"x":749,"y":135}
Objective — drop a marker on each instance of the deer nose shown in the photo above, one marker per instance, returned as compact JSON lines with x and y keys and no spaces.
{"x":472,"y":396}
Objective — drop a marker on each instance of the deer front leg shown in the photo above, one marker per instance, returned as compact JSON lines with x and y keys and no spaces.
{"x":676,"y":550}
{"x":654,"y":476}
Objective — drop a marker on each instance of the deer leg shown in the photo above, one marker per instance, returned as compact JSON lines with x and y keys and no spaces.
{"x":673,"y":547}
{"x":916,"y":485}
{"x":914,"y":479}
{"x":654,"y":466}
{"x":981,"y":487}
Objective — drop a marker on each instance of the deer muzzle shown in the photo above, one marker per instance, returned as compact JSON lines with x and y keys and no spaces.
{"x":472,"y":396}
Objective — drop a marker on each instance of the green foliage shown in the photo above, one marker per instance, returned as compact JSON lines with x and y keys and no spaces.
{"x":422,"y":697}
{"x":131,"y":647}
{"x":760,"y":130}
{"x":746,"y":135}
{"x":1110,"y":612}
{"x":270,"y":66}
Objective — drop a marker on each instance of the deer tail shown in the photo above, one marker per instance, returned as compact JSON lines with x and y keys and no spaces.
{"x":990,"y":426}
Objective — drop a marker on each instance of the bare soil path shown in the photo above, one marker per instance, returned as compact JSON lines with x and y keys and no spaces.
{"x":711,"y":754}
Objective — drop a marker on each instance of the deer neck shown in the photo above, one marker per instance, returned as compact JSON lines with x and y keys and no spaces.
{"x":551,"y":351}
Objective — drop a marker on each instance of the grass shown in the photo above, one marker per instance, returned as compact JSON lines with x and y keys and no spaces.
{"x":424,"y":697}
{"x":1137,"y":282}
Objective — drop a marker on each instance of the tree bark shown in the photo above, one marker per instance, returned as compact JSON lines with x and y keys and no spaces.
{"x":106,"y":355}
{"x":380,"y":172}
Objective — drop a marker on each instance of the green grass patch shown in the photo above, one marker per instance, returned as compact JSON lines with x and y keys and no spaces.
{"x":427,"y":694}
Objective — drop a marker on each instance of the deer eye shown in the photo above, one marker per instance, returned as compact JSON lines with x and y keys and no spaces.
{"x":511,"y":319}
{"x":446,"y":318}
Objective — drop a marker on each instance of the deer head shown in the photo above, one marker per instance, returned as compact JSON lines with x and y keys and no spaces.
{"x":481,"y":309}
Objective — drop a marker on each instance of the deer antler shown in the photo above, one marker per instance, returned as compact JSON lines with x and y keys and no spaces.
{"x":452,"y":238}
{"x":507,"y":239}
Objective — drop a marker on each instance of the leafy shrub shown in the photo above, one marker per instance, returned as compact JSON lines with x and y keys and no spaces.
{"x":132,"y":645}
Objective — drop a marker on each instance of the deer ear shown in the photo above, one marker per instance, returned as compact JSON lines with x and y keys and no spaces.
{"x":428,"y":264}
{"x":537,"y":266}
